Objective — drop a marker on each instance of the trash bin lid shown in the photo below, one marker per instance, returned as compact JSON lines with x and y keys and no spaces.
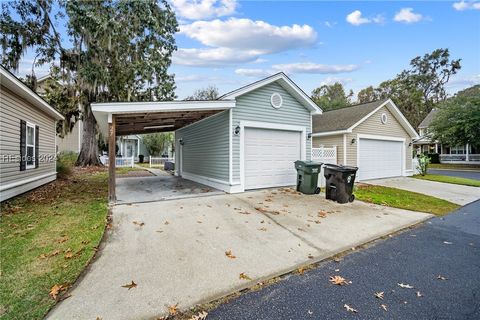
{"x":340,"y":168}
{"x":308,"y":163}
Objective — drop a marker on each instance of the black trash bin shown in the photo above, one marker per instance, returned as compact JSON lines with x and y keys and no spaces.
{"x":307,"y":176}
{"x":339,"y":182}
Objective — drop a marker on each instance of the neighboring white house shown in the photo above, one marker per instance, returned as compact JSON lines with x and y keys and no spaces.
{"x":27,"y":138}
{"x":375,"y":137}
{"x":447,"y":154}
{"x":247,"y":139}
{"x":133,"y":146}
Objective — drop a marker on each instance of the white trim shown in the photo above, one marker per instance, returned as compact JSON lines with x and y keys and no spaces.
{"x":344,"y":149}
{"x":384,"y":138}
{"x":212,"y":182}
{"x":30,"y":125}
{"x":286,"y":81}
{"x":18,"y":87}
{"x":25,"y":181}
{"x":161,"y":106}
{"x":331,"y":133}
{"x":230,"y":146}
{"x":393,"y":108}
{"x":272,"y":126}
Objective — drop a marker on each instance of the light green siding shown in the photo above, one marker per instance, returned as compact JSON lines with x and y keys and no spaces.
{"x":255,"y":106}
{"x":206,"y":147}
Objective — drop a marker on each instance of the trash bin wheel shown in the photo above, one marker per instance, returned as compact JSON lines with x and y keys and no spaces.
{"x":317,"y":191}
{"x":351,"y":198}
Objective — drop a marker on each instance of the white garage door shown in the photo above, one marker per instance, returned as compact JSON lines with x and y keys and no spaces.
{"x":379,"y":159}
{"x":270,"y":157}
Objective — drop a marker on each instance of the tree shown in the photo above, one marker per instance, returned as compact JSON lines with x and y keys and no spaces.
{"x":369,"y":94}
{"x":331,"y":97}
{"x":457,"y":121}
{"x":417,"y":90}
{"x":208,"y":93}
{"x":112,"y":50}
{"x":157,"y":143}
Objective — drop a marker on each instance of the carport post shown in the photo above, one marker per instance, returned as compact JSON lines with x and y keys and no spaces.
{"x":111,"y":158}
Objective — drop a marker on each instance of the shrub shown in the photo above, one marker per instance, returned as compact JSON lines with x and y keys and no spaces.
{"x":434,"y":157}
{"x":423,"y":161}
{"x":65,"y":163}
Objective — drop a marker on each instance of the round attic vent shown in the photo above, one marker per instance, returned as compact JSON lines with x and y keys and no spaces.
{"x":384,"y":118}
{"x":276,"y":100}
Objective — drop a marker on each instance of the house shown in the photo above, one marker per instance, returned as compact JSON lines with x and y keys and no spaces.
{"x":72,"y":141}
{"x":447,"y":154}
{"x":27,"y":138}
{"x":247,"y":139}
{"x":375,"y":137}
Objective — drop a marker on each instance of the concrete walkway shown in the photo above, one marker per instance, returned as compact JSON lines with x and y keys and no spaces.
{"x":179,"y":254}
{"x":458,"y":194}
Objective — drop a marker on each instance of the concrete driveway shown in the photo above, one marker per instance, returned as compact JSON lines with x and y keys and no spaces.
{"x":175,"y":251}
{"x":455,"y":193}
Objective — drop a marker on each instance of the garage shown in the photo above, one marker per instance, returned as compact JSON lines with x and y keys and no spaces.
{"x":375,"y":137}
{"x":269,"y":157}
{"x":379,"y":158}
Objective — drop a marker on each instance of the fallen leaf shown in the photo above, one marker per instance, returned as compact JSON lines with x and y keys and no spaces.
{"x":336,"y":260}
{"x":198,"y":221}
{"x":406,"y":286}
{"x":384,"y":307}
{"x":229,"y":254}
{"x":322,"y":214}
{"x":85,"y":241}
{"x":62,"y":239}
{"x":379,"y":295}
{"x":419,"y":294}
{"x":139,"y":223}
{"x":301,"y":270}
{"x":440,"y":277}
{"x":130,"y":285}
{"x":209,"y":206}
{"x":68,"y":253}
{"x":338,"y":280}
{"x":350,"y":309}
{"x":56,"y":289}
{"x":159,"y":231}
{"x":310,"y":256}
{"x":166,"y":222}
{"x":200,"y":316}
{"x":50,"y":254}
{"x":173,"y":310}
{"x":309,"y":312}
{"x":263,"y":229}
{"x":244,"y":276}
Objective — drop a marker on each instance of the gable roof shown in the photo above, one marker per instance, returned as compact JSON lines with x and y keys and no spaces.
{"x":285,"y":82}
{"x":428,"y":119}
{"x":346,"y":119}
{"x":18,"y":87}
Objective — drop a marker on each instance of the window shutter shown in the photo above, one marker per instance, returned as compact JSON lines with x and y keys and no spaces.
{"x":23,"y":144}
{"x":37,"y":139}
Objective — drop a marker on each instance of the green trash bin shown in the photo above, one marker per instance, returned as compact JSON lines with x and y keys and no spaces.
{"x":307,"y":176}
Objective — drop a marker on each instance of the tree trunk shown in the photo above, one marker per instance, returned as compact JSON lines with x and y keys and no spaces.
{"x":89,"y":152}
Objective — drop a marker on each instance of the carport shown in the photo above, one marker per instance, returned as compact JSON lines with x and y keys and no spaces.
{"x":125,"y":118}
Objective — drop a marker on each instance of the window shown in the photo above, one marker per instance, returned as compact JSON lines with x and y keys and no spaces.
{"x":458,"y":150}
{"x":30,"y":146}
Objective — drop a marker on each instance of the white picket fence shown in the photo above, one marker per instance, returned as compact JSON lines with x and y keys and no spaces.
{"x":119,"y":162}
{"x":324,"y":155}
{"x":159,"y":161}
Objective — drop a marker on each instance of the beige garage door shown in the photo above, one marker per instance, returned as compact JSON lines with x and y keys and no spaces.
{"x":379,"y":159}
{"x":270,"y":157}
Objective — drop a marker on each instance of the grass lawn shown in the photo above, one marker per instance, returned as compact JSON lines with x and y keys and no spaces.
{"x":448,"y":179}
{"x":403,"y":199}
{"x":124,"y":170}
{"x":453,"y":166}
{"x":47,"y":237}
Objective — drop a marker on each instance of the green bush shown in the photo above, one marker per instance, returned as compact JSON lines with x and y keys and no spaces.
{"x":65,"y":163}
{"x":423,"y":162}
{"x":434,"y":157}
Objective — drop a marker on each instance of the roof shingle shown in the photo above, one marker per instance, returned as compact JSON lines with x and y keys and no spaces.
{"x":342,"y":119}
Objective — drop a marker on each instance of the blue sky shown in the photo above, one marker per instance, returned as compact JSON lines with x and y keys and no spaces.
{"x":229,"y":43}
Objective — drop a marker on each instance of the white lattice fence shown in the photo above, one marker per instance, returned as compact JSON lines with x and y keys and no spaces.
{"x":324,"y":155}
{"x":158,"y":161}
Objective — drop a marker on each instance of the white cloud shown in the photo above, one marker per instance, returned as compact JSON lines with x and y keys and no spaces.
{"x":356,"y":18}
{"x":214,"y":57}
{"x":329,"y":24}
{"x":204,"y":9}
{"x":240,"y":40}
{"x":309,"y":67}
{"x":257,"y":73}
{"x":247,"y":34}
{"x":470,"y":80}
{"x":300,"y":67}
{"x":464,"y":5}
{"x":406,"y":15}
{"x":332,"y":80}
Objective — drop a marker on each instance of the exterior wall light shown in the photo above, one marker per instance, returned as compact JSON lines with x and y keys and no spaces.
{"x":181,"y":142}
{"x":353,"y":140}
{"x":309,"y":136}
{"x":236,"y":131}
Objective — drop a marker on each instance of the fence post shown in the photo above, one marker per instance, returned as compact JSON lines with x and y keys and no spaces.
{"x":150,"y":161}
{"x":133,"y":161}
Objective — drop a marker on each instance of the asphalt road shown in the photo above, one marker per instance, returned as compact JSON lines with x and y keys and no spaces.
{"x":453,"y":173}
{"x":448,"y":247}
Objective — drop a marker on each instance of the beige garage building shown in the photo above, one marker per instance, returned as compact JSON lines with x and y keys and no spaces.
{"x":376,"y":137}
